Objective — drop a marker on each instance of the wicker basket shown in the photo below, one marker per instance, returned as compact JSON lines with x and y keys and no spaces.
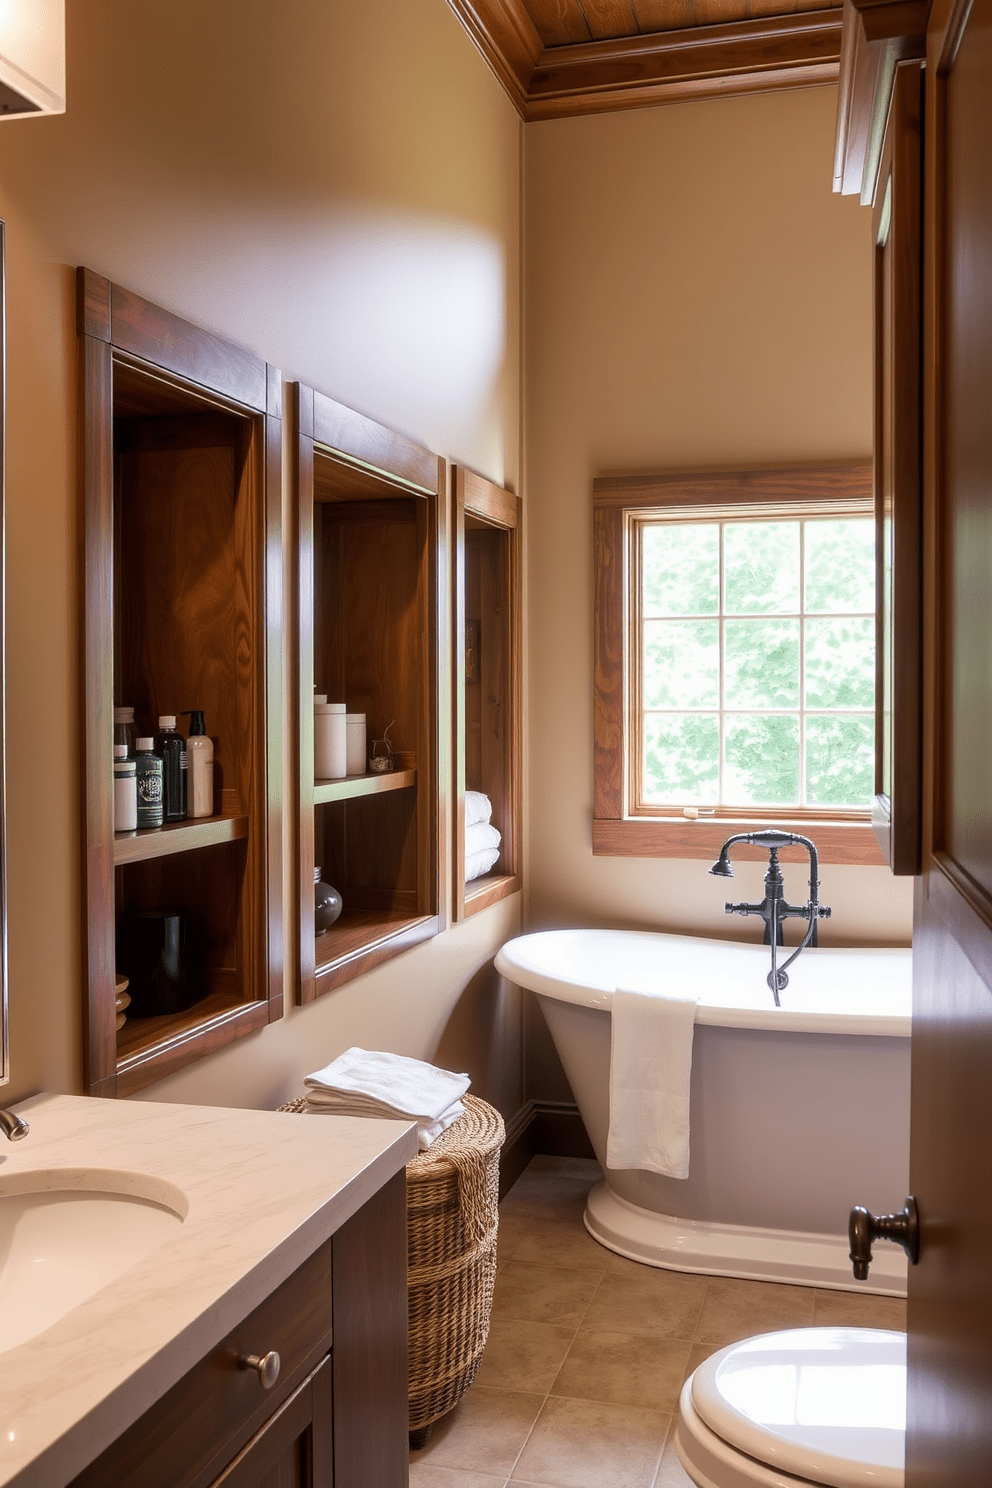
{"x":452,"y":1196}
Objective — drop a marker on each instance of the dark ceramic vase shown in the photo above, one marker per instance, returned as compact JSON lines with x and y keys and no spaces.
{"x":326,"y":904}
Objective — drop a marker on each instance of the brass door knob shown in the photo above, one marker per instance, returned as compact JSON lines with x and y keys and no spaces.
{"x":266,"y":1366}
{"x":864,"y":1227}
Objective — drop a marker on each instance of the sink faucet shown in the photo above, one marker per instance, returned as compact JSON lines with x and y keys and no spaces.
{"x":774,"y":909}
{"x":13,"y":1127}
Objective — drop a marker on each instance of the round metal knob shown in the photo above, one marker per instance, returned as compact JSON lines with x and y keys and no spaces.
{"x":266,"y":1366}
{"x":864,"y":1227}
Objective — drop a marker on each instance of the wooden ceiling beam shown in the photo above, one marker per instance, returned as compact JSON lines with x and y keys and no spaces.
{"x":784,"y":51}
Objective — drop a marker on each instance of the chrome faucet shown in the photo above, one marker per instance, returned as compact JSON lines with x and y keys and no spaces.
{"x":13,"y":1127}
{"x":774,"y":909}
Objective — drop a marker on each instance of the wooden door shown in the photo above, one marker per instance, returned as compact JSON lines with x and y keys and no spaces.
{"x":949,"y":1432}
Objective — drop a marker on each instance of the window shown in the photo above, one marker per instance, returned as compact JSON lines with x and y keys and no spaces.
{"x":735,"y":659}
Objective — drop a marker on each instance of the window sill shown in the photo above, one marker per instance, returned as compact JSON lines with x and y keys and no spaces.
{"x":678,"y":837}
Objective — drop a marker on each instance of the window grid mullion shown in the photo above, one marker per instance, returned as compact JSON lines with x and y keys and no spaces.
{"x":802,"y":664}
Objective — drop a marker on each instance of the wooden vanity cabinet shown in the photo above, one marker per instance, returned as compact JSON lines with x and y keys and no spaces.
{"x":372,"y":543}
{"x":487,"y":679}
{"x":182,"y":594}
{"x":336,"y":1415}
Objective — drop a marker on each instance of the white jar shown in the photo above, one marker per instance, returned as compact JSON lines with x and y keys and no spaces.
{"x":330,"y":744}
{"x":355,"y":729}
{"x":125,"y":791}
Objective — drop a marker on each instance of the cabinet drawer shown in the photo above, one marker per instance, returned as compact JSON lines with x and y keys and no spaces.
{"x":185,"y":1438}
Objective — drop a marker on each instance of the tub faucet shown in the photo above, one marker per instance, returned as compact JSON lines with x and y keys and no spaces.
{"x":13,"y":1127}
{"x":774,"y":909}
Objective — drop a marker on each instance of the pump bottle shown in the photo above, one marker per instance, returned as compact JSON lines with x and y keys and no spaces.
{"x":199,"y":766}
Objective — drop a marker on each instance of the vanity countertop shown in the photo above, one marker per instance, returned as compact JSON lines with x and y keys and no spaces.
{"x":265,"y":1189}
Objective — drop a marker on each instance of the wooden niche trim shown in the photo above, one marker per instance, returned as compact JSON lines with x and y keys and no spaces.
{"x":615,"y":833}
{"x":178,"y":426}
{"x":487,"y":707}
{"x":371,"y":629}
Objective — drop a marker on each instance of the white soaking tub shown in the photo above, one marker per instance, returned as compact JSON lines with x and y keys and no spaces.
{"x":796,"y":1113}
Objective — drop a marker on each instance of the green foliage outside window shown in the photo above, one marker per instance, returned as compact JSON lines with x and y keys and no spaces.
{"x":758,"y":662}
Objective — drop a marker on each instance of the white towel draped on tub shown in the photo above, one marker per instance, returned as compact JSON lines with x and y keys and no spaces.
{"x":650,"y":1067}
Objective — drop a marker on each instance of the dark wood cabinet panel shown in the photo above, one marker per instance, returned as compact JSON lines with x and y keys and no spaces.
{"x":194,"y":1431}
{"x":898,"y":231}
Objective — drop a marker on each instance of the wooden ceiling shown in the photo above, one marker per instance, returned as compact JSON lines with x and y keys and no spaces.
{"x":561,"y":57}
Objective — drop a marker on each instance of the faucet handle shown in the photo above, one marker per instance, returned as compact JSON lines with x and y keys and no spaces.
{"x":823,"y":912}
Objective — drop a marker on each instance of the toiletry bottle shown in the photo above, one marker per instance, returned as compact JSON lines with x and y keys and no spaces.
{"x":149,"y":779}
{"x":171,"y":750}
{"x":124,"y":730}
{"x":357,"y":746}
{"x":200,"y":766}
{"x":125,"y":791}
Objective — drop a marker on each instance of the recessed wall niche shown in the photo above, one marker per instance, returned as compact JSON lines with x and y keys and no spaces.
{"x":372,"y":544}
{"x":181,"y":603}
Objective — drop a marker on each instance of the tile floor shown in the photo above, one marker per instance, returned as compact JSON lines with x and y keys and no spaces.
{"x":587,"y":1351}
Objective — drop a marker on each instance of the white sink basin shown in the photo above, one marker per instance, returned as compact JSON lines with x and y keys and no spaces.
{"x":65,"y":1233}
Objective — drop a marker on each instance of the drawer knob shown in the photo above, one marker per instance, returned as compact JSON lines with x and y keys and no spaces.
{"x":266,"y":1366}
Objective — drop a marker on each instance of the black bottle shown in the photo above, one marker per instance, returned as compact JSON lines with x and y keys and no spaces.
{"x":171,"y":748}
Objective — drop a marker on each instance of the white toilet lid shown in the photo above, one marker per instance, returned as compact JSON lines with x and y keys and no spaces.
{"x":827,"y":1405}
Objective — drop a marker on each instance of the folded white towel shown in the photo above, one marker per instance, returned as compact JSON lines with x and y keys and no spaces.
{"x":322,"y":1103}
{"x":392,"y":1084}
{"x":480,"y":836}
{"x":476,"y":864}
{"x":650,"y":1069}
{"x":478,"y":808}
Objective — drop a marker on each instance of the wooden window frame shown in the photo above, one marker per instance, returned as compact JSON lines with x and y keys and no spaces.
{"x":841,"y":837}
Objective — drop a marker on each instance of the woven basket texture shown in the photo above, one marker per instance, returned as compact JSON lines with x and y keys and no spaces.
{"x":452,"y":1198}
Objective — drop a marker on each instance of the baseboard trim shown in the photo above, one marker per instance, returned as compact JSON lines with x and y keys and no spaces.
{"x":550,"y":1128}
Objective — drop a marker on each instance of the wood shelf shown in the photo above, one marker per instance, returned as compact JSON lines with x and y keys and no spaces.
{"x":489,"y":889}
{"x":354,"y":786}
{"x":372,"y":530}
{"x":177,"y":837}
{"x":182,"y":529}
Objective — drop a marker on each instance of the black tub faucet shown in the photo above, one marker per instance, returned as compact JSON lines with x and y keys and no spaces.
{"x":774,"y":909}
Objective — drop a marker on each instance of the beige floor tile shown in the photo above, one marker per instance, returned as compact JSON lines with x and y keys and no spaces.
{"x":483,"y":1434}
{"x":646,"y":1299}
{"x":543,"y":1294}
{"x":551,"y":1242}
{"x":697,"y":1354}
{"x":624,"y":1368}
{"x":588,"y":1444}
{"x":671,"y":1473}
{"x":426,"y":1475}
{"x":512,"y":1229}
{"x":851,"y":1310}
{"x":522,"y":1355}
{"x":736,"y":1309}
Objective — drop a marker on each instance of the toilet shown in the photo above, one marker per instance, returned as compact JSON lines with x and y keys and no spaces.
{"x":823,"y":1406}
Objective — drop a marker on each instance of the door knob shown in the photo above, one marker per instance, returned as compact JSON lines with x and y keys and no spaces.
{"x":864,"y":1227}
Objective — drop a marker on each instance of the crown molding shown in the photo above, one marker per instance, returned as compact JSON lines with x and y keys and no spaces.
{"x":748,"y":56}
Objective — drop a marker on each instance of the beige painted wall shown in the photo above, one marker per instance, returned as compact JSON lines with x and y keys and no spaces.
{"x":336,"y":187}
{"x":696,"y":296}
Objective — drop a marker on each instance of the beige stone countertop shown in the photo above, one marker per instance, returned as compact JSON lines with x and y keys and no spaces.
{"x":264,"y":1190}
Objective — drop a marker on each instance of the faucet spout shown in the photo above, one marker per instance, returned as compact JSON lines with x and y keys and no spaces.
{"x":14,"y":1127}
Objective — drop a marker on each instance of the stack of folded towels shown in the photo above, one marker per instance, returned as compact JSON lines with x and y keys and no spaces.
{"x":482,"y":839}
{"x":363,"y":1082}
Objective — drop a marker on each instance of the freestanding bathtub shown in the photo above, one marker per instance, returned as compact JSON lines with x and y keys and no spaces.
{"x":796,"y":1113}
